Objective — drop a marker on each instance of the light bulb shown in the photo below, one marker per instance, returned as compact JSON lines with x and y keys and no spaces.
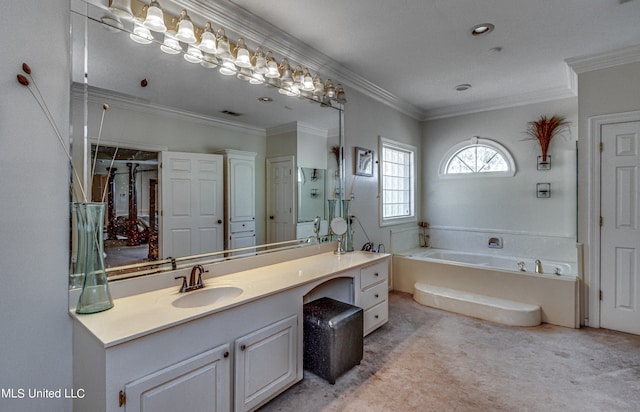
{"x":155,"y":18}
{"x":122,"y":9}
{"x":141,"y":34}
{"x":260,"y":66}
{"x":185,"y":29}
{"x":193,"y":54}
{"x":272,"y":67}
{"x":208,"y":40}
{"x":228,"y":68}
{"x":243,"y":59}
{"x":171,"y":45}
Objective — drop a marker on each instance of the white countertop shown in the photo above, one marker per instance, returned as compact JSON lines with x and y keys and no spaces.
{"x":145,"y":313}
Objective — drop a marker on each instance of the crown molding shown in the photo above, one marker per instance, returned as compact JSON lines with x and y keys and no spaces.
{"x":259,"y":32}
{"x":123,"y":101}
{"x":501,"y":103}
{"x":584,"y":64}
{"x":297,"y":127}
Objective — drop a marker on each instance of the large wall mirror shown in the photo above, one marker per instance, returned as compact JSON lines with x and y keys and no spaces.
{"x":159,"y":106}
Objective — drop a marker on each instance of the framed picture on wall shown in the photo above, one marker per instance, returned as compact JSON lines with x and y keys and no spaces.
{"x":364,"y":161}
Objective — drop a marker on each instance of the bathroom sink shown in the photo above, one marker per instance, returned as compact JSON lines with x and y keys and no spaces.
{"x":206,"y":296}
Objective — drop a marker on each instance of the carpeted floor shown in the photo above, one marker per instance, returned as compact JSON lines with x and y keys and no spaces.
{"x":425,"y":359}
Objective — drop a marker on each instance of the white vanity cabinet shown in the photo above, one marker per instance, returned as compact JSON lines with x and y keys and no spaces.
{"x":240,"y":202}
{"x":372,"y":295}
{"x":199,"y":383}
{"x":147,"y":355}
{"x":265,"y":363}
{"x":236,"y":359}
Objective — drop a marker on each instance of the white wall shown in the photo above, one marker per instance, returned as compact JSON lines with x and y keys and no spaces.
{"x":364,"y":121}
{"x":605,"y":91}
{"x":509,"y":205}
{"x":34,"y":207}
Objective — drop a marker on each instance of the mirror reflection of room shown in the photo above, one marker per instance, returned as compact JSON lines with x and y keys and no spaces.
{"x":200,"y":115}
{"x":127,"y":181}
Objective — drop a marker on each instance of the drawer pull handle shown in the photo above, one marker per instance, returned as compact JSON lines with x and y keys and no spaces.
{"x":226,"y":354}
{"x":376,"y":316}
{"x":243,"y":347}
{"x":377,"y":296}
{"x":376,"y":274}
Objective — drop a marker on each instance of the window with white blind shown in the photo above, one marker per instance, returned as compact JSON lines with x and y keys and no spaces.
{"x":397,"y":182}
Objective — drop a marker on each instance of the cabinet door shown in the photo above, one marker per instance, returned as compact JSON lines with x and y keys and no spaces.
{"x":266,"y":363}
{"x":242,"y":201}
{"x":240,"y":240}
{"x":198,"y":384}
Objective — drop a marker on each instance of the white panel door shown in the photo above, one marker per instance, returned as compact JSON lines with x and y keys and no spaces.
{"x":620,"y":234}
{"x":280,"y":200}
{"x":192,"y":208}
{"x":242,"y":186}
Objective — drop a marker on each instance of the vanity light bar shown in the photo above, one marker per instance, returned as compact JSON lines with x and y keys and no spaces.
{"x":232,"y":58}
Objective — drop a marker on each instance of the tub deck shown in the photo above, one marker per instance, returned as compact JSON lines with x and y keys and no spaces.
{"x":557,"y":296}
{"x":506,"y":312}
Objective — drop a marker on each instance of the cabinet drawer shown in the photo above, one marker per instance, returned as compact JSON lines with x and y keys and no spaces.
{"x":373,"y":274}
{"x":248,"y":226}
{"x":375,"y":317}
{"x":374,"y":295}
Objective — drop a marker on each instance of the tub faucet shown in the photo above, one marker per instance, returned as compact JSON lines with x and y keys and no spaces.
{"x":521,"y":266}
{"x":538,"y":266}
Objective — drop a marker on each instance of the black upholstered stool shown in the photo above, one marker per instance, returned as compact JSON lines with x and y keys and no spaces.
{"x":332,"y":337}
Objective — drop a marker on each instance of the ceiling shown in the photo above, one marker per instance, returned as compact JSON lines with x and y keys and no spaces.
{"x":413,"y":53}
{"x":114,"y":68}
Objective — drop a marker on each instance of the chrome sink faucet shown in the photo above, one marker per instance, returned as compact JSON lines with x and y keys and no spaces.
{"x":193,"y":283}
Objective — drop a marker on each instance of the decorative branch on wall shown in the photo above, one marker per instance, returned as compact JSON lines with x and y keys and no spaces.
{"x":544,"y":129}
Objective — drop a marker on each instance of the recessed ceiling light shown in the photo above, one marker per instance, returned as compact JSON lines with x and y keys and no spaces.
{"x":265,"y":99}
{"x":482,"y":29}
{"x":462,"y":87}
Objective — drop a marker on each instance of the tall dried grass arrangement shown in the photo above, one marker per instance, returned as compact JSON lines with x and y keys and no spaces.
{"x":29,"y":82}
{"x":545,"y":128}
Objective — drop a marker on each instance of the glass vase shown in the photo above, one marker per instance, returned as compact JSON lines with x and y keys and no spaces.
{"x":347,"y":242}
{"x":95,"y":296}
{"x":331,"y":203}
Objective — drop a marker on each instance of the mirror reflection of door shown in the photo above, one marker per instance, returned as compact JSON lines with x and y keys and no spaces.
{"x":126,"y":180}
{"x":280,"y":199}
{"x":192,"y":220}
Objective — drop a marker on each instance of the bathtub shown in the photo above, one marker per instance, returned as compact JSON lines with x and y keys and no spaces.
{"x":555,"y":290}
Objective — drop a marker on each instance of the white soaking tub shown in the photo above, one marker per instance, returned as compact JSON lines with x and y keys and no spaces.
{"x":465,"y":282}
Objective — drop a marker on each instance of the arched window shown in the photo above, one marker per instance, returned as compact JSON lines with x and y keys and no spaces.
{"x":477,"y":157}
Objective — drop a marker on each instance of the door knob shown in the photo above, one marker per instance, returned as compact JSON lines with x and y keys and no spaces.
{"x":219,"y":221}
{"x":271,"y":217}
